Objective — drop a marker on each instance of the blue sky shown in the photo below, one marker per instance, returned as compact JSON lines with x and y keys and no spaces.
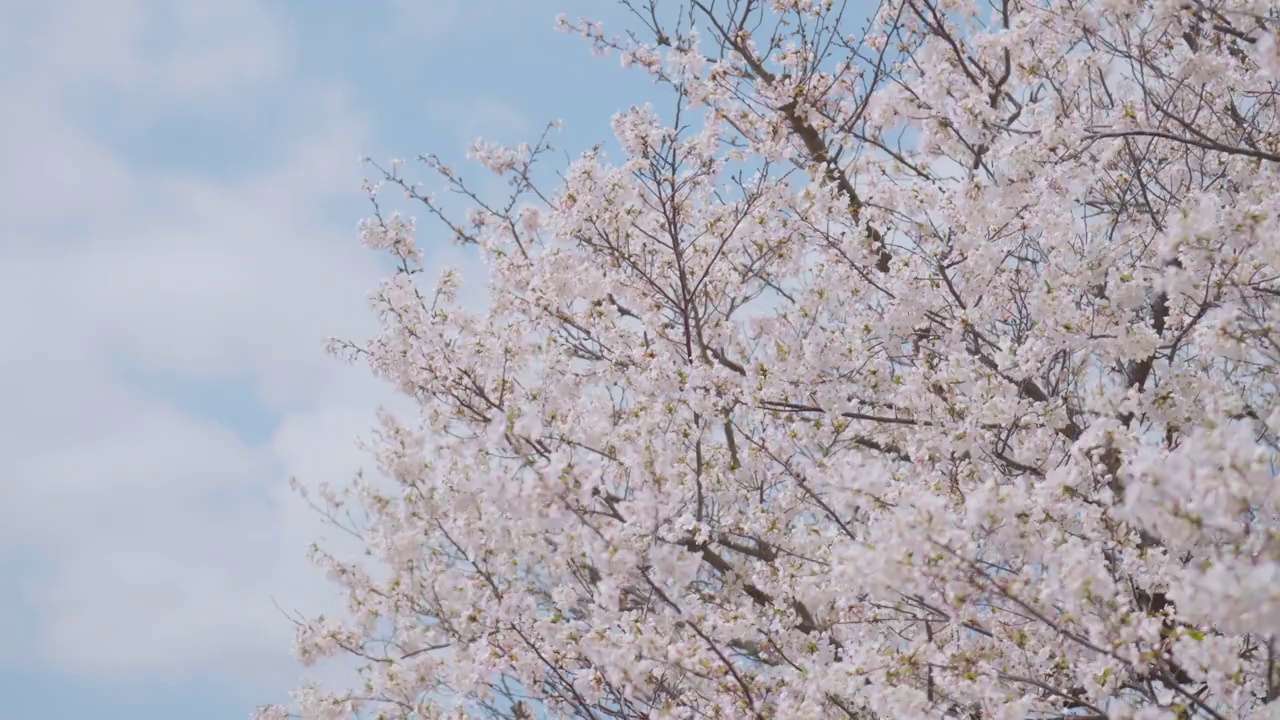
{"x":178,"y":203}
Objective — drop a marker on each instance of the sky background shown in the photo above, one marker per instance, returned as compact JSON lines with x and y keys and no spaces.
{"x":179,"y":190}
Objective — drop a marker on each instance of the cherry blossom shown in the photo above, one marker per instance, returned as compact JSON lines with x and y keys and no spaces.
{"x":925,"y":367}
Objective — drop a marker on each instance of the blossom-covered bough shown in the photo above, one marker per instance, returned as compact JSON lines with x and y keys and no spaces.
{"x":918,"y":368}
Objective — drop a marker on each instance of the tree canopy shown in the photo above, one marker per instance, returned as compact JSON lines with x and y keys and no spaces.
{"x":922,"y":365}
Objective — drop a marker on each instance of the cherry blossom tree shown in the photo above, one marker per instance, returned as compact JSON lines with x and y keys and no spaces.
{"x":919,"y":366}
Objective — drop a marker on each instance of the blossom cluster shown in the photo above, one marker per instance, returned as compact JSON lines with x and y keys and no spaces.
{"x":924,"y":369}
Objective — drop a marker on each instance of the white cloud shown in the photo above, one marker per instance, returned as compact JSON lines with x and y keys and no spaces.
{"x":162,"y":538}
{"x":484,"y":117}
{"x":163,"y":50}
{"x":418,"y":20}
